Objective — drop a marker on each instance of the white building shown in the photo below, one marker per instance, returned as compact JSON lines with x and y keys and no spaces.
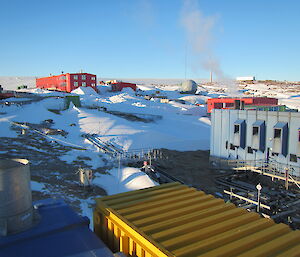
{"x":249,"y":78}
{"x":256,"y":135}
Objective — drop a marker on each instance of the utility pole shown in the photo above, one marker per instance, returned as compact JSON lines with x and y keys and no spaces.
{"x":119,"y":170}
{"x":185,"y":60}
{"x":150,"y":159}
{"x":287,"y":178}
{"x":258,"y":187}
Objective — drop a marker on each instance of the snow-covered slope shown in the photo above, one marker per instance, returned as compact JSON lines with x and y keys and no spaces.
{"x":125,"y":119}
{"x":12,"y":83}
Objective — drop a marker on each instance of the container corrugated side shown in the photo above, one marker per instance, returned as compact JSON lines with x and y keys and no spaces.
{"x":176,"y":220}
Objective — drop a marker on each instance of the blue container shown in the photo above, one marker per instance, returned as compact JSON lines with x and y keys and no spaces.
{"x":60,"y":232}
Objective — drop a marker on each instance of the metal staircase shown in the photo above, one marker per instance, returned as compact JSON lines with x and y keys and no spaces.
{"x":116,"y":152}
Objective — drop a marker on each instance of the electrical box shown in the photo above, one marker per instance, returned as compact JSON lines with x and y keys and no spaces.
{"x":85,"y":176}
{"x":72,"y":99}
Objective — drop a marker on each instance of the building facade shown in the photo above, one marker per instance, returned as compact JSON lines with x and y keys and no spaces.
{"x":256,"y":135}
{"x":246,"y":79}
{"x":239,"y":103}
{"x":67,"y":82}
{"x":118,"y":86}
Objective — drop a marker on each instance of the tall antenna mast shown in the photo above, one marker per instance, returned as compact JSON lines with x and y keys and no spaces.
{"x":185,"y":60}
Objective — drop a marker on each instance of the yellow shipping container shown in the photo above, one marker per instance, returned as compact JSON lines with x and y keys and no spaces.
{"x":176,"y":220}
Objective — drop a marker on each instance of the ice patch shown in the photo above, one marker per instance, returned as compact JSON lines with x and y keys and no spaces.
{"x":117,"y":99}
{"x":84,"y":91}
{"x":87,"y":210}
{"x":123,"y":180}
{"x":37,"y":186}
{"x":139,"y":104}
{"x":88,"y":157}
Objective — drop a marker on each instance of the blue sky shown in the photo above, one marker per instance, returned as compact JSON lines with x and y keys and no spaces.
{"x":147,"y":38}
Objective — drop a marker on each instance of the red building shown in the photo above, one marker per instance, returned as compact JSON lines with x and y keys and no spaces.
{"x":118,"y":86}
{"x":239,"y":103}
{"x":67,"y":82}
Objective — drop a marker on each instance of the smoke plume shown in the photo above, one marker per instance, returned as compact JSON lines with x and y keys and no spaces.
{"x":200,"y":39}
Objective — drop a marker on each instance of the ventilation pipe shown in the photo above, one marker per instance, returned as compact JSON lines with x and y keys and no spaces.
{"x":16,"y":210}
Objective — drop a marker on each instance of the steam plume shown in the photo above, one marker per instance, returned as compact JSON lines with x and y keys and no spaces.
{"x":199,"y":31}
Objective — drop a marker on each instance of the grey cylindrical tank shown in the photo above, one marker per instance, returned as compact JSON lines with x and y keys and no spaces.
{"x":16,"y":211}
{"x":189,"y":86}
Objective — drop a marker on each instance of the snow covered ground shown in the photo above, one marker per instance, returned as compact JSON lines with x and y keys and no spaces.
{"x":12,"y":83}
{"x":124,"y":119}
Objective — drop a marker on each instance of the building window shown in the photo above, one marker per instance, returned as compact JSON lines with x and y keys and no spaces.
{"x":93,"y":84}
{"x":75,"y":77}
{"x":255,"y":131}
{"x":293,"y":157}
{"x":277,"y":133}
{"x":236,"y":129}
{"x":62,"y":78}
{"x":93,"y":78}
{"x":84,"y":84}
{"x":83,"y":77}
{"x":249,"y":149}
{"x":75,"y":84}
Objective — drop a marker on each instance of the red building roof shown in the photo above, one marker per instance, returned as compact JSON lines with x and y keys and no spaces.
{"x":120,"y":85}
{"x":229,"y":103}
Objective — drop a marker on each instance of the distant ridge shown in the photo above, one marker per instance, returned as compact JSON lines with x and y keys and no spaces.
{"x":154,"y":80}
{"x":11,"y":82}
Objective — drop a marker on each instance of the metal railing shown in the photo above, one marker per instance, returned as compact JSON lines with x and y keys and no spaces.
{"x":115,"y":152}
{"x":271,"y":168}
